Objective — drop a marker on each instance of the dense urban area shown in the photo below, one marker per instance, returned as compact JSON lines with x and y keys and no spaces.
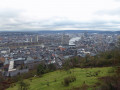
{"x":21,"y":52}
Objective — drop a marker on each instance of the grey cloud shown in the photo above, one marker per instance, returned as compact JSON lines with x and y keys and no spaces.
{"x":7,"y":14}
{"x":109,"y":12}
{"x":90,"y":25}
{"x":70,"y":24}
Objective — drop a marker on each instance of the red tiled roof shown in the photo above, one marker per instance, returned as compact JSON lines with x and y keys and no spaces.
{"x":2,"y":59}
{"x":6,"y":66}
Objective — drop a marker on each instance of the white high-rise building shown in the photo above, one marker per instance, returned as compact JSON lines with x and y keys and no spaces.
{"x":31,"y":39}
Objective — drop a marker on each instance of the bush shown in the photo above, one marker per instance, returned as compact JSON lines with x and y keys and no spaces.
{"x":41,"y":69}
{"x":68,"y":80}
{"x":52,"y":67}
{"x":23,"y":85}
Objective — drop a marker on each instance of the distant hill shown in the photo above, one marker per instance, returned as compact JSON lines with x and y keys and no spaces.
{"x":19,"y":32}
{"x":80,"y":31}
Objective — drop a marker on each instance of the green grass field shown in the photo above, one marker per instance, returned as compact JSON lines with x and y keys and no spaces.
{"x":55,"y":78}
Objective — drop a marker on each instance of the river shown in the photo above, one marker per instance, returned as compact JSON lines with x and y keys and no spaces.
{"x":73,"y":40}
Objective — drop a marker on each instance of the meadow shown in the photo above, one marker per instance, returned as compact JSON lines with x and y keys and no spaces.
{"x":53,"y":80}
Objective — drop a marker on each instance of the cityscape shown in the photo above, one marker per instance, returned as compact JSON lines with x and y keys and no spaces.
{"x":59,"y":44}
{"x":27,"y":50}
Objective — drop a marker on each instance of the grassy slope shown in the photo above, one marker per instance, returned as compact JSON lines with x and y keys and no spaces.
{"x":41,"y":83}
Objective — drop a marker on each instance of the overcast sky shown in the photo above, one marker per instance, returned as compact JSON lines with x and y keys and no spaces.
{"x":59,"y":15}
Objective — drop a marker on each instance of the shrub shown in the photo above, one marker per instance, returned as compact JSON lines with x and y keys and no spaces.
{"x":41,"y":69}
{"x":23,"y":85}
{"x":68,"y":80}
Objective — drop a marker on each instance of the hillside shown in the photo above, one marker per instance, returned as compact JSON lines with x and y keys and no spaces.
{"x":53,"y":80}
